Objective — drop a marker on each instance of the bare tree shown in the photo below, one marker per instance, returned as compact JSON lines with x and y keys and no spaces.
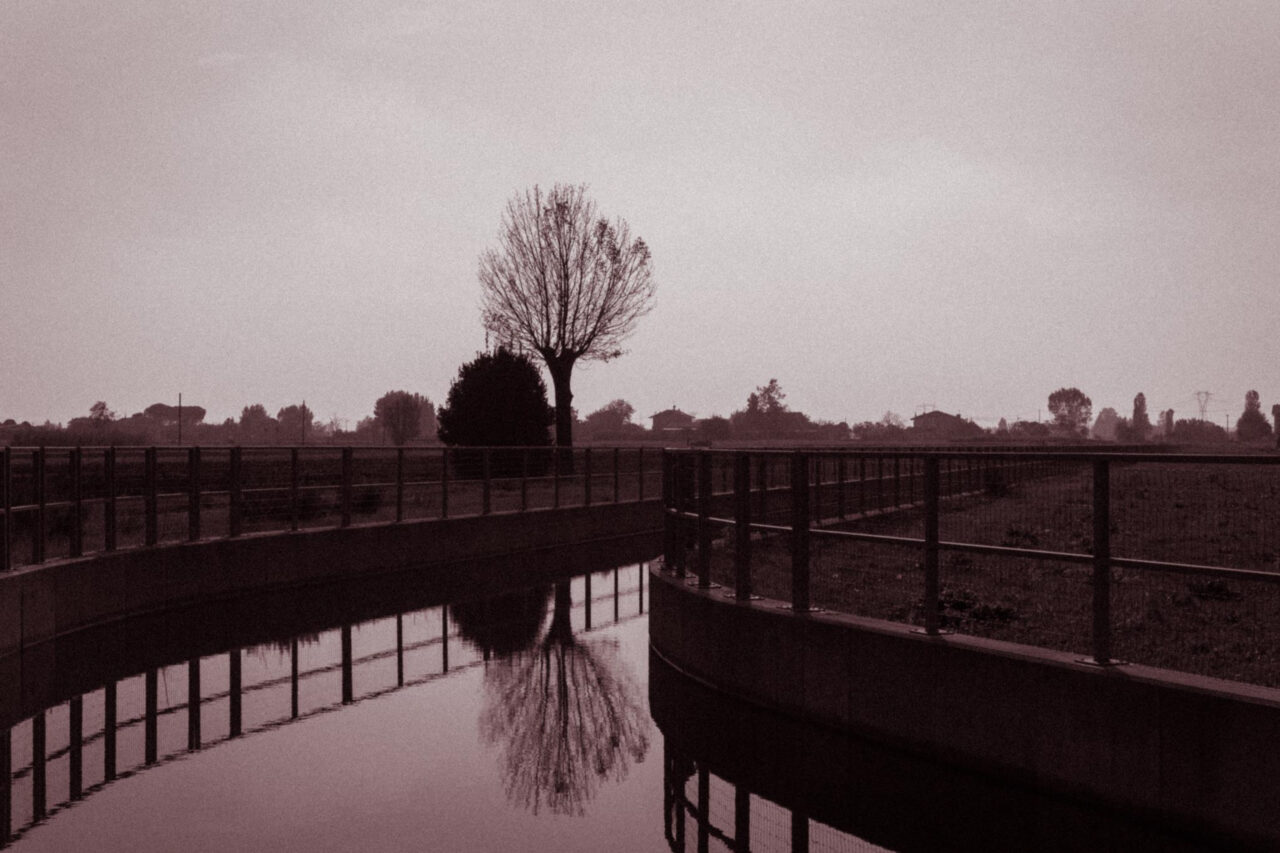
{"x":565,"y":283}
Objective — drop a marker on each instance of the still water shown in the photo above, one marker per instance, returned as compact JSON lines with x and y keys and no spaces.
{"x":382,"y":718}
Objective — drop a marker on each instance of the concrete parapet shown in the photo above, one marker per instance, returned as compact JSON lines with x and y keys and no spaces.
{"x":1196,"y":751}
{"x":39,"y":603}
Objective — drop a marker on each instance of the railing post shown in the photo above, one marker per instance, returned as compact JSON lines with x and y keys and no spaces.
{"x":485,"y":489}
{"x":617,"y":485}
{"x":193,"y":493}
{"x":444,"y":482}
{"x":840,"y":472}
{"x":151,"y":716}
{"x":640,"y":474}
{"x":704,"y":808}
{"x":193,"y":703}
{"x":77,"y":504}
{"x":235,"y":692}
{"x":293,"y":488}
{"x":37,"y":481}
{"x":348,"y":682}
{"x":762,"y":482}
{"x":39,"y":764}
{"x":149,"y":499}
{"x":6,"y":500}
{"x":399,"y":484}
{"x":109,"y":499}
{"x":897,"y":481}
{"x":742,"y":527}
{"x":931,"y":485}
{"x":684,"y":498}
{"x":668,"y":504}
{"x":799,"y":832}
{"x":862,"y":485}
{"x":76,"y":736}
{"x":704,"y":523}
{"x":37,"y":488}
{"x":586,"y":477}
{"x":800,"y":532}
{"x":741,"y":818}
{"x":524,"y":479}
{"x":1101,"y":562}
{"x":234,"y":503}
{"x":347,"y":476}
{"x":555,"y":478}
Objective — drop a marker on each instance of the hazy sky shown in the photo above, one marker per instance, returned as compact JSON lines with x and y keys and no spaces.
{"x":882,"y":205}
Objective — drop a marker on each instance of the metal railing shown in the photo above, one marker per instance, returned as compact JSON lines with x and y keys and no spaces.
{"x":1112,"y":527}
{"x":66,"y":502}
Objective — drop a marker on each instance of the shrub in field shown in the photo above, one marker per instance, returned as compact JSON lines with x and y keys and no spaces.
{"x":497,"y":400}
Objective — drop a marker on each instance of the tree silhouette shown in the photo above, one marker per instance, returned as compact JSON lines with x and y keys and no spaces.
{"x":400,"y":414}
{"x":1140,"y":426}
{"x":256,"y":426}
{"x":567,"y":716}
{"x":1108,"y":425}
{"x":1252,"y":424}
{"x":100,"y":415}
{"x":1071,"y":410}
{"x":295,"y":422}
{"x":497,"y":400}
{"x":564,"y":283}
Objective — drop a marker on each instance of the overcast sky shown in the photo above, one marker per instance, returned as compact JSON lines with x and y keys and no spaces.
{"x":882,"y":205}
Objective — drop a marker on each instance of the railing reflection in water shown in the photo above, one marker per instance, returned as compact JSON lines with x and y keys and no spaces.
{"x":703,"y":812}
{"x":67,"y":752}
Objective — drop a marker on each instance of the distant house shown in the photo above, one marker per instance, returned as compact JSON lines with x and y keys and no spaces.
{"x":671,"y":420}
{"x":940,"y":426}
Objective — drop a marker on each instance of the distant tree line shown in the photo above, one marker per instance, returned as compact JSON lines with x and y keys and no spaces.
{"x":399,"y":417}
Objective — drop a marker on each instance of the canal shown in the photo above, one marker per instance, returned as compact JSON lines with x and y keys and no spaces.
{"x":395,"y":716}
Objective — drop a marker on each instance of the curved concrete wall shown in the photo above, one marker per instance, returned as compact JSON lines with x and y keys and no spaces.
{"x":38,"y":603}
{"x":1195,"y":751}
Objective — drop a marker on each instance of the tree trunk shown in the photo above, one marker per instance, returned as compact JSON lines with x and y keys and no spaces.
{"x":561,"y":629}
{"x":561,"y":370}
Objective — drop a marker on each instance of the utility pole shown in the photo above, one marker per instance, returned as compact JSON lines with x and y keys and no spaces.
{"x":1203,"y":397}
{"x":179,"y":418}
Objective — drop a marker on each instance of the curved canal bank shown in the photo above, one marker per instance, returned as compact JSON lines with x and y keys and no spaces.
{"x":38,"y":603}
{"x":1193,"y":752}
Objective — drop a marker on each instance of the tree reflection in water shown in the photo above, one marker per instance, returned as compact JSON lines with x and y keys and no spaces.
{"x":567,"y":715}
{"x":505,"y":624}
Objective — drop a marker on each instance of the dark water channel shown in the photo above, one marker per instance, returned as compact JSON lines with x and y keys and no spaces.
{"x":401,"y":716}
